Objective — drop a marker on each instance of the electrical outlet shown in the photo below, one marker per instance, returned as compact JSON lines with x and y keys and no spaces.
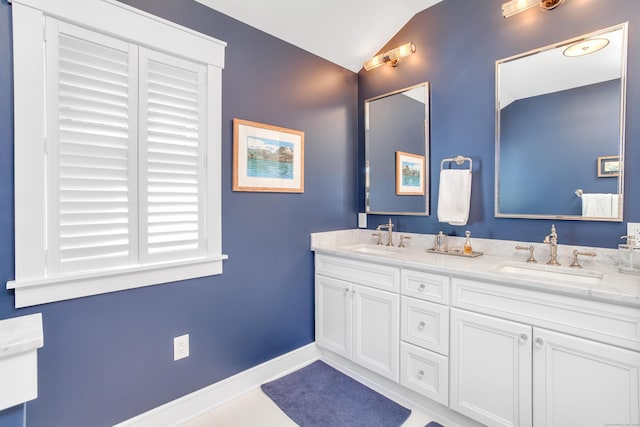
{"x":362,"y":220}
{"x":633,"y":229}
{"x":181,"y":347}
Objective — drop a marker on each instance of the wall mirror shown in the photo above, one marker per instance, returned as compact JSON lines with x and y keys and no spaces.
{"x":397,"y":152}
{"x":560,"y":129}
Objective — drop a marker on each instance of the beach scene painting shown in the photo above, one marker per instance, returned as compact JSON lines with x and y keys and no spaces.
{"x":410,"y":173}
{"x":267,"y":158}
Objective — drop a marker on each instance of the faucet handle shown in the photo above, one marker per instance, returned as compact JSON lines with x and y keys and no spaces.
{"x":575,"y":263}
{"x":402,"y":239}
{"x":378,"y":234}
{"x":529,"y":248}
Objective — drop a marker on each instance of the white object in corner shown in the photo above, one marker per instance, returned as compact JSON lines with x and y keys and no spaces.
{"x":20,"y":338}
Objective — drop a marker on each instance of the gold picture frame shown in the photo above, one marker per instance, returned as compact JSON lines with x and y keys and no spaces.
{"x":267,"y":158}
{"x":608,"y":166}
{"x":409,"y":174}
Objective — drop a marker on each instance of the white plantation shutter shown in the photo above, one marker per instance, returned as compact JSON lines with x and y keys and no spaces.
{"x":172,"y":157}
{"x":91,"y":150}
{"x":117,"y":118}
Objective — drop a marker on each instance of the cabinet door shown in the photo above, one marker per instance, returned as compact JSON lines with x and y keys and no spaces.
{"x":333,"y":315}
{"x":490,"y":369}
{"x":578,"y":382}
{"x":376,"y":330}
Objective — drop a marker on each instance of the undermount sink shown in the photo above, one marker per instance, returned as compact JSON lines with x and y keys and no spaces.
{"x":551,"y":273}
{"x":373,"y":249}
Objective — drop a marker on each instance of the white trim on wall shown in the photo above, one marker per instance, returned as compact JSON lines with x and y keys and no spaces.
{"x":123,"y":21}
{"x":185,"y":408}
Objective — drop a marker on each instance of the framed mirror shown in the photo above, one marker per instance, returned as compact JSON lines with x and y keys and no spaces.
{"x":397,"y":152}
{"x":560,"y":120}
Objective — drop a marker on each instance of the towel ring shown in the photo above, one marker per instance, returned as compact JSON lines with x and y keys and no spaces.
{"x":459,"y":160}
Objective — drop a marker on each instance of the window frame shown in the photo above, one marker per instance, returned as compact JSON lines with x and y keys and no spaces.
{"x":32,"y":286}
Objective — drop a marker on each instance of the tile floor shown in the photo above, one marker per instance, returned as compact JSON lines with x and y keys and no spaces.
{"x":255,"y":409}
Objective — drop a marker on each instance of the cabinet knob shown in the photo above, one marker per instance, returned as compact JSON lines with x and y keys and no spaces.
{"x":346,"y":290}
{"x":524,"y":337}
{"x":421,"y":325}
{"x":539,"y":341}
{"x":422,"y":287}
{"x":353,"y":292}
{"x":420,"y":374}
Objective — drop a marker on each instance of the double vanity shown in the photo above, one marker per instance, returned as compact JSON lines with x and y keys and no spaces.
{"x":499,"y":340}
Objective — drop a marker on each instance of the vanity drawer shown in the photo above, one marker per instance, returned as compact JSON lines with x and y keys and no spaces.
{"x":365,"y":273}
{"x":607,"y":323}
{"x":424,"y":372}
{"x":427,"y":286}
{"x":425,"y":324}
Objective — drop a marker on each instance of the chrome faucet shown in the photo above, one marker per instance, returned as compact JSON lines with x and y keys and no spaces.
{"x":552,"y":240}
{"x":389,"y":227}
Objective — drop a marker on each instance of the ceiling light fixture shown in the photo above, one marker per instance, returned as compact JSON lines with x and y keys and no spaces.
{"x":585,"y":47}
{"x":512,"y":7}
{"x":391,"y":57}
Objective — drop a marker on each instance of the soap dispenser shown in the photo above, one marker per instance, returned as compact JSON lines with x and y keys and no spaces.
{"x":629,"y":256}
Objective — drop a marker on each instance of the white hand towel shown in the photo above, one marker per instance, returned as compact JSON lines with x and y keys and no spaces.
{"x":596,"y":205}
{"x":454,"y":196}
{"x":615,"y":205}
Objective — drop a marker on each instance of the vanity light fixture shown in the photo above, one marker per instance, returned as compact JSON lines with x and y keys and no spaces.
{"x":391,"y":57}
{"x":512,"y":7}
{"x":585,"y":47}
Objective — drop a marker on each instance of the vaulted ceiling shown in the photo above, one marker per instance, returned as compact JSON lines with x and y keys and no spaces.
{"x":346,"y":32}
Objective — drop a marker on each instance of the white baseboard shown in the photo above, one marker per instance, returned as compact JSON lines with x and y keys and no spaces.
{"x":181,"y":410}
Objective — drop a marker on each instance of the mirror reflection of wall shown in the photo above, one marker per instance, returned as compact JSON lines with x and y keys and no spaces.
{"x":395,"y":122}
{"x":556,"y":116}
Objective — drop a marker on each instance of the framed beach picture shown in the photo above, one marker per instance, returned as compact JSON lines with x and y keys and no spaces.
{"x":409,"y":174}
{"x":267,"y":158}
{"x":608,"y":166}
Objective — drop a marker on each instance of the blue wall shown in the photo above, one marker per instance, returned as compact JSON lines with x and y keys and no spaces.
{"x":396,"y":124}
{"x":564,"y":132}
{"x":109,"y":357}
{"x":458,"y":42}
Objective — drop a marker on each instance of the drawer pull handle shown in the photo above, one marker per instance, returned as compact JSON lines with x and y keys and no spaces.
{"x":539,"y":341}
{"x":524,"y":337}
{"x":422,"y":325}
{"x":420,"y":374}
{"x":422,"y":287}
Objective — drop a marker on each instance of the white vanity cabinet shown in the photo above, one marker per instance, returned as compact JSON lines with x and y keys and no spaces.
{"x":502,"y":354}
{"x":357,"y":312}
{"x":506,"y":369}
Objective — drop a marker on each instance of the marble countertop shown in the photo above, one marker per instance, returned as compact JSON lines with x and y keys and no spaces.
{"x":20,"y":334}
{"x":614,"y":287}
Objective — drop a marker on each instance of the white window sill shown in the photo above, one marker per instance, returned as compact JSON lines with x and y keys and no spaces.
{"x":30,"y":292}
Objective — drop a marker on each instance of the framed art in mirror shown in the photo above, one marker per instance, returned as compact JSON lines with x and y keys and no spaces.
{"x":409,"y":174}
{"x":608,"y":166}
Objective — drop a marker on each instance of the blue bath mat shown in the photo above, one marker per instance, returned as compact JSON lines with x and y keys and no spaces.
{"x":434,"y":424}
{"x":320,"y":396}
